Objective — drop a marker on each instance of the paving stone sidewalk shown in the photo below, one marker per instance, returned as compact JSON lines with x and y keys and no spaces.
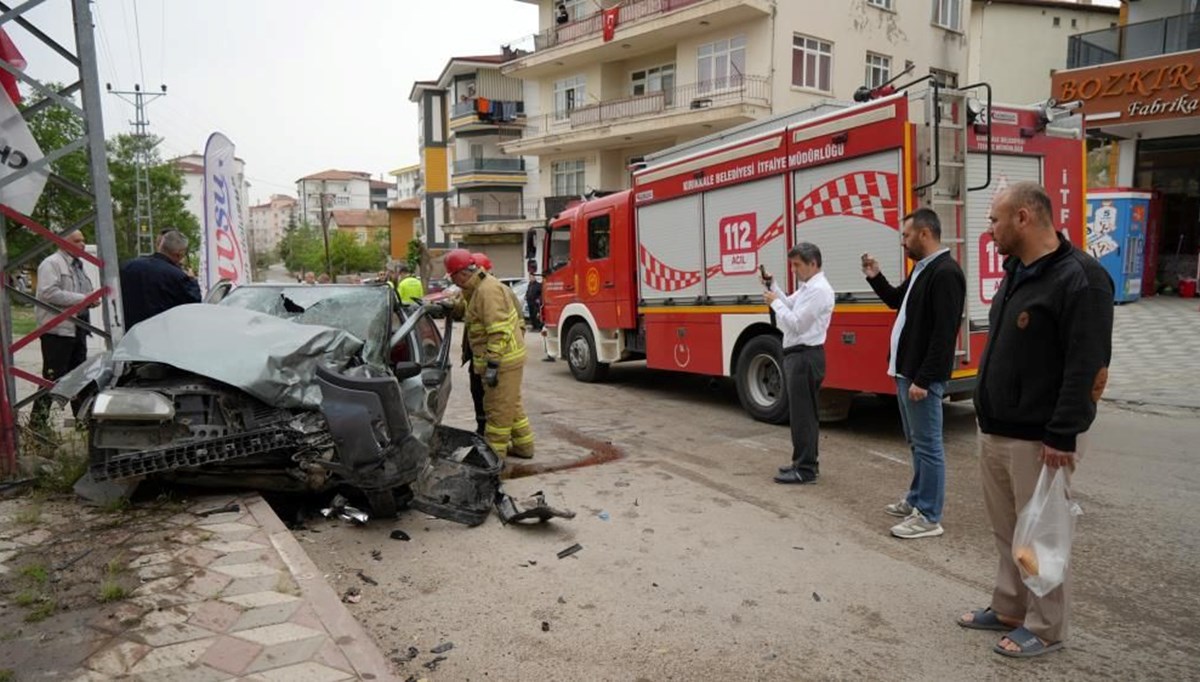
{"x":224,"y":596}
{"x":1156,"y":352}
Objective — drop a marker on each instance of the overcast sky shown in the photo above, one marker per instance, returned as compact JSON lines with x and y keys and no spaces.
{"x":298,"y":85}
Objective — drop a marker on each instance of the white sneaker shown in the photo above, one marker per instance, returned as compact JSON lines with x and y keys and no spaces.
{"x":915,"y":527}
{"x":901,"y":509}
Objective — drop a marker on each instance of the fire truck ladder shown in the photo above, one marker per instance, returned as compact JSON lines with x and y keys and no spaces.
{"x":942,"y":175}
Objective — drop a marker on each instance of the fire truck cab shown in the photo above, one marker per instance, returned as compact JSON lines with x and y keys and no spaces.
{"x":668,"y":271}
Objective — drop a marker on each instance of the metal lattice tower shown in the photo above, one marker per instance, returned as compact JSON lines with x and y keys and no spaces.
{"x":143,"y":216}
{"x":82,"y":59}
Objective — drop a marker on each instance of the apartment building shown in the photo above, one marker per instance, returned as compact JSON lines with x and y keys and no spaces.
{"x":191,"y":168}
{"x":269,"y":221}
{"x":674,"y":70}
{"x":408,"y":181}
{"x":339,"y":189}
{"x":474,"y":193}
{"x":1139,"y":84}
{"x":365,"y":225}
{"x":1019,"y":70}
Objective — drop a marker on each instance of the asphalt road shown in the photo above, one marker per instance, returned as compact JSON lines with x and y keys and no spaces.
{"x":705,"y":569}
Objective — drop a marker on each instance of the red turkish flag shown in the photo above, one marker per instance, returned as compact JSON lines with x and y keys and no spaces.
{"x":610,"y":22}
{"x":10,"y":54}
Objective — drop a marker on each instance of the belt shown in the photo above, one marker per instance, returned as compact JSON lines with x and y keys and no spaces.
{"x":799,"y":348}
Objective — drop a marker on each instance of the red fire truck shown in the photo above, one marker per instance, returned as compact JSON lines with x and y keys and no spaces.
{"x":667,"y":271}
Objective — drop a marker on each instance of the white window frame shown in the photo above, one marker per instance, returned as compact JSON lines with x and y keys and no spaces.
{"x":569,"y":94}
{"x":879,"y":69}
{"x":652,"y":79}
{"x":568,"y":177}
{"x":947,"y":14}
{"x":947,"y":79}
{"x":721,"y":54}
{"x":821,"y":50}
{"x":888,"y":5}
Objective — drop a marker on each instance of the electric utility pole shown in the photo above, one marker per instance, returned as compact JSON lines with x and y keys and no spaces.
{"x":143,"y":216}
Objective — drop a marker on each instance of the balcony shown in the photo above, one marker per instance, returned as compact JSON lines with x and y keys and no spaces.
{"x":686,"y":111}
{"x":494,"y":217}
{"x":643,"y":26}
{"x":1178,"y":33}
{"x":482,"y":172}
{"x":466,"y":115}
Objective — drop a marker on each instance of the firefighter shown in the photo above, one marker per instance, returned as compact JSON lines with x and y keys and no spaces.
{"x":496,"y":337}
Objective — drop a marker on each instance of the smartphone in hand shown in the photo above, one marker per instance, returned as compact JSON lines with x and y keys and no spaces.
{"x":764,"y":277}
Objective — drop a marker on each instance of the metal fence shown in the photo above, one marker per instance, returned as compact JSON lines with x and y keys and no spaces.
{"x":1178,"y":33}
{"x":490,"y":208}
{"x":693,"y":97}
{"x":492,"y":165}
{"x":594,"y":24}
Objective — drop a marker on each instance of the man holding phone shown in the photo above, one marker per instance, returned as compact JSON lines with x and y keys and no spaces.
{"x":804,"y":319}
{"x":921,"y":356}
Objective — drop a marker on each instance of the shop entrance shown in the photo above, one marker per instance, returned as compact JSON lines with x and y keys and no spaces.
{"x":1172,"y":166}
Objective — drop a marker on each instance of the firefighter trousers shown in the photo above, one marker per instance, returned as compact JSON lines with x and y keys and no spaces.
{"x":508,"y":430}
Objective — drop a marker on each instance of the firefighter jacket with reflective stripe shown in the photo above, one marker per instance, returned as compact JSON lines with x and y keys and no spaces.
{"x":495,"y":329}
{"x":410,"y":290}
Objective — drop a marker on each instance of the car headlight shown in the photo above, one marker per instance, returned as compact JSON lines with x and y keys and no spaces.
{"x":133,"y":405}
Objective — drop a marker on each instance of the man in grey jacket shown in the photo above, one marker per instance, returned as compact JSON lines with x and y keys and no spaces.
{"x":62,"y":283}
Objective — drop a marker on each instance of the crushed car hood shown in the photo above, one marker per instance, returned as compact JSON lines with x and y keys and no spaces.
{"x":272,"y":359}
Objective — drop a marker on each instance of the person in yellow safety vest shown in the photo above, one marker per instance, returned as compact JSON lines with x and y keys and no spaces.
{"x":407,"y":286}
{"x":496,"y":336}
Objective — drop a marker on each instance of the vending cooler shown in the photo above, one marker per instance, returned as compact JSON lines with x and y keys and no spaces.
{"x":1116,"y":236}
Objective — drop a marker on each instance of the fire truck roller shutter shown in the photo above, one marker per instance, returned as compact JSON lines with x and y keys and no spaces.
{"x":671,"y":250}
{"x":983,"y":278}
{"x":848,"y":208}
{"x":744,"y":227}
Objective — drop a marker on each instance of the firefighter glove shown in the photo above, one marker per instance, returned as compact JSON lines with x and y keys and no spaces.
{"x":491,"y":375}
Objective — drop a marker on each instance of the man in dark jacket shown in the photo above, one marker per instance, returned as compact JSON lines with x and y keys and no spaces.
{"x":921,"y":356}
{"x":154,"y":283}
{"x":1043,"y":371}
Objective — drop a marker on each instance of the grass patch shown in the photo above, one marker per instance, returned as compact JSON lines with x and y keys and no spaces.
{"x":7,"y":675}
{"x":116,"y":566}
{"x":117,"y":506}
{"x":26,"y":598}
{"x":111,"y":591}
{"x":44,"y":609}
{"x":24,"y":320}
{"x":29,"y":515}
{"x":68,"y":463}
{"x":37,"y":574}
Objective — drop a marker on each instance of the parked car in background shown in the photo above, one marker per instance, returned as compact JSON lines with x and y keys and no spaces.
{"x":519,"y":286}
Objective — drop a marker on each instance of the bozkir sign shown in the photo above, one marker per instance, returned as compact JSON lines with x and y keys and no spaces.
{"x":1135,"y":91}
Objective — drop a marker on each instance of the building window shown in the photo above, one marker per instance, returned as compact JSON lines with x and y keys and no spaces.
{"x":721,"y":64}
{"x":879,"y":70}
{"x":1074,"y":23}
{"x":560,"y":247}
{"x":656,"y":79}
{"x":598,"y":233}
{"x":944,"y":79}
{"x":1057,"y":22}
{"x":567,"y":177}
{"x":948,"y":14}
{"x":568,"y":95}
{"x":572,"y":10}
{"x":882,"y":4}
{"x":812,"y":63}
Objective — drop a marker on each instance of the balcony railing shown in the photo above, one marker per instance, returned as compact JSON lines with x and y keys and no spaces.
{"x":593,"y":25}
{"x":490,"y":210}
{"x":694,"y":97}
{"x":486,"y":165}
{"x":1178,"y":33}
{"x":471,"y":106}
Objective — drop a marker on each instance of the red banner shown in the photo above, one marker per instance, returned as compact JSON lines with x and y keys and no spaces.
{"x":610,"y":22}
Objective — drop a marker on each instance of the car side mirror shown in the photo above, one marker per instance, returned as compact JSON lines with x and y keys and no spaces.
{"x":407,"y":370}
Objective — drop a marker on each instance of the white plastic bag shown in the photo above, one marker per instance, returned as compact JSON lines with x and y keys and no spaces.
{"x":1042,"y":539}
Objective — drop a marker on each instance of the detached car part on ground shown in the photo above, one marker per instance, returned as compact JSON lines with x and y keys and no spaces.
{"x":288,"y":388}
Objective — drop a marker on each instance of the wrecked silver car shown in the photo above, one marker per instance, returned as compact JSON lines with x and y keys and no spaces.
{"x":275,"y":387}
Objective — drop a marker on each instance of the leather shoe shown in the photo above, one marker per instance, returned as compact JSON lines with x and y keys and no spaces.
{"x":786,"y":468}
{"x":795,"y":477}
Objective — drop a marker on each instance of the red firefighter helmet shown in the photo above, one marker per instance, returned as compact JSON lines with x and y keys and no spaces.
{"x":457,"y":260}
{"x":482,"y":261}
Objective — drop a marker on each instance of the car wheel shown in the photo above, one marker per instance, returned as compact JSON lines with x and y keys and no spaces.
{"x":581,"y":355}
{"x":760,"y":380}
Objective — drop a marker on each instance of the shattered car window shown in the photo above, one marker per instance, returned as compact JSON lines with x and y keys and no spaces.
{"x":362,"y":311}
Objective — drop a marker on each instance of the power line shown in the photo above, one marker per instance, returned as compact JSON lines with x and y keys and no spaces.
{"x":143,"y":217}
{"x":162,"y":42}
{"x":137,"y":25}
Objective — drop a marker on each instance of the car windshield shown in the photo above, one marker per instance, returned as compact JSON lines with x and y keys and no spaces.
{"x":362,"y":311}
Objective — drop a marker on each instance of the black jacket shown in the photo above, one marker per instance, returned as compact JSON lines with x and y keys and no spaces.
{"x":925,"y":353}
{"x":152,"y":284}
{"x":1046,"y":360}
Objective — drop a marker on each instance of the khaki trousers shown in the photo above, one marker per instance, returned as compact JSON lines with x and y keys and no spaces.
{"x":1009,"y":471}
{"x":507,"y":427}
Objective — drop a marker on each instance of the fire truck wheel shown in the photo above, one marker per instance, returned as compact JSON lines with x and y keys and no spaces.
{"x":759,"y":380}
{"x":581,"y":355}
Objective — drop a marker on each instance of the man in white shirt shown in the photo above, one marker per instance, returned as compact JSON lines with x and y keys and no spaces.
{"x":804,"y":318}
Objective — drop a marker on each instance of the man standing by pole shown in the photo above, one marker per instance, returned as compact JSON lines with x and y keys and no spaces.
{"x":804,"y":318}
{"x":1043,"y":371}
{"x":495,"y":334}
{"x":921,"y":356}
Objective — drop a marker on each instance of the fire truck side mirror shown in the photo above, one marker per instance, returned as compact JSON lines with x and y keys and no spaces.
{"x":862,"y":94}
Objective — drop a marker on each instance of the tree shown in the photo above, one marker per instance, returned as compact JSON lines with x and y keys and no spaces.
{"x":54,"y":127}
{"x":167,"y":199}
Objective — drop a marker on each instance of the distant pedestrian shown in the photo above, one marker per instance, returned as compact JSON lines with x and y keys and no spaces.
{"x":920,"y":358}
{"x":408,"y":287}
{"x":156,"y":283}
{"x":1043,"y":371}
{"x":804,"y":318}
{"x":533,"y":301}
{"x":61,"y":282}
{"x":324,"y":278}
{"x":310,"y":278}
